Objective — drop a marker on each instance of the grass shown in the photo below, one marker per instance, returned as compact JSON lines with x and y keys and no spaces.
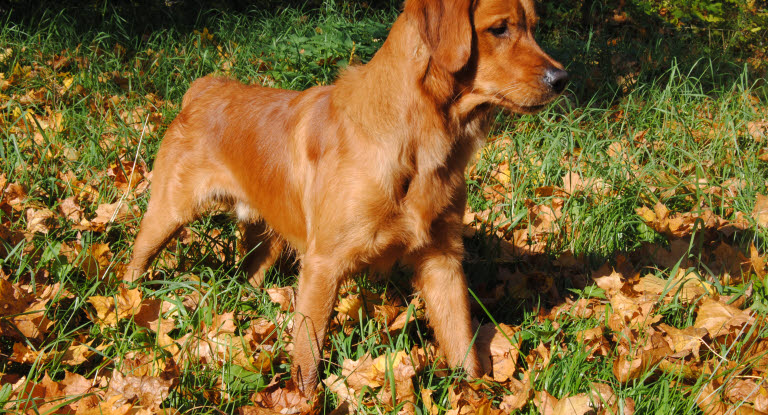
{"x":650,"y":117}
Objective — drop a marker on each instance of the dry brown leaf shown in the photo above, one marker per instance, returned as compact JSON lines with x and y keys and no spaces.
{"x":40,"y":220}
{"x":156,"y":314}
{"x":633,"y":313}
{"x":261,"y":331}
{"x":709,"y":401}
{"x":14,"y":195}
{"x":13,"y":299}
{"x":107,"y":213}
{"x":111,"y":309}
{"x":255,"y":410}
{"x":42,"y":397}
{"x":75,"y":385}
{"x":632,"y":361}
{"x":521,"y":392}
{"x":761,"y":400}
{"x":283,"y":296}
{"x":114,"y":405}
{"x":538,"y":358}
{"x":344,"y":393}
{"x":685,"y":286}
{"x":386,"y":313}
{"x":23,"y":354}
{"x":426,"y":399}
{"x":136,"y":363}
{"x":574,"y":183}
{"x":32,"y":322}
{"x":608,"y":279}
{"x":758,"y":130}
{"x":126,"y":175}
{"x":96,"y":260}
{"x":286,"y":400}
{"x":739,"y":391}
{"x":583,"y":308}
{"x":77,"y":354}
{"x":466,"y":400}
{"x":149,"y":391}
{"x":729,"y":262}
{"x":580,"y":404}
{"x":495,"y":350}
{"x":594,"y":340}
{"x":603,"y":396}
{"x":545,"y":402}
{"x":372,"y":373}
{"x":721,"y":319}
{"x":760,"y":211}
{"x":70,"y":209}
{"x":352,"y":307}
{"x":217,"y":344}
{"x":408,"y":315}
{"x":684,"y":342}
{"x":629,"y":406}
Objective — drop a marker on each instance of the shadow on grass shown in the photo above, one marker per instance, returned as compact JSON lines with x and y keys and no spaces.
{"x":511,"y":284}
{"x":609,"y":46}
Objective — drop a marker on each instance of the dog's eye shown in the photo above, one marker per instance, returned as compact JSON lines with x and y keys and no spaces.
{"x":500,"y":30}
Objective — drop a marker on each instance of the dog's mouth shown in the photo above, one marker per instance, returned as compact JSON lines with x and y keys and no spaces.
{"x":524,"y":108}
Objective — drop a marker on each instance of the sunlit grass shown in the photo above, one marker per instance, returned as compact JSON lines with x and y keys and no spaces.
{"x":679,"y":124}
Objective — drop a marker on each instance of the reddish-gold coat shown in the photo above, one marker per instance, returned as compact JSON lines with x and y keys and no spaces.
{"x":361,"y":173}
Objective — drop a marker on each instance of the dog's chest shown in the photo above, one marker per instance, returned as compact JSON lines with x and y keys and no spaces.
{"x":434,"y":190}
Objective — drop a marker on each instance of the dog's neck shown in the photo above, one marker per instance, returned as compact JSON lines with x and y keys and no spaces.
{"x":386,"y":88}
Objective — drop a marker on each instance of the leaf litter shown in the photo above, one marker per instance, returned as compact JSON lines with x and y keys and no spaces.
{"x":719,"y":355}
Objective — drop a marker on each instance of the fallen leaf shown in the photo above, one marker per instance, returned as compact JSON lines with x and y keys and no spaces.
{"x":156,"y":314}
{"x":32,"y":322}
{"x":261,"y":331}
{"x":70,"y":209}
{"x":283,"y":296}
{"x":738,"y":391}
{"x":77,"y":354}
{"x":40,"y":220}
{"x":760,"y":211}
{"x":287,"y":399}
{"x":545,"y":402}
{"x":149,"y":391}
{"x":686,"y":341}
{"x":497,"y":350}
{"x":521,"y":392}
{"x":709,"y":401}
{"x":721,"y":319}
{"x":608,"y":279}
{"x":111,"y":309}
{"x":107,"y":213}
{"x":580,"y":404}
{"x":96,"y":260}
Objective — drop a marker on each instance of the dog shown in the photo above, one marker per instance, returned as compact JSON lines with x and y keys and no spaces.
{"x":362,"y":173}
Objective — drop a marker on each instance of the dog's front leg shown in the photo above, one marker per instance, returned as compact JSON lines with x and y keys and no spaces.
{"x":318,"y":286}
{"x":441,"y":280}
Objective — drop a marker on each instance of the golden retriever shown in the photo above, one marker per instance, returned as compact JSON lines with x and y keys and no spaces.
{"x":361,"y":173}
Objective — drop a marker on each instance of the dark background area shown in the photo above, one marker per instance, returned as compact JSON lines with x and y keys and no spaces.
{"x":605,"y":43}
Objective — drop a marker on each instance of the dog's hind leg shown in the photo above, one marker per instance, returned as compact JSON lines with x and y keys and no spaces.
{"x":165,"y":216}
{"x":261,"y":248}
{"x":179,"y":193}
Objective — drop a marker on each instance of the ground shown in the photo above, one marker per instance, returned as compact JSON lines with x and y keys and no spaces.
{"x":615,"y":241}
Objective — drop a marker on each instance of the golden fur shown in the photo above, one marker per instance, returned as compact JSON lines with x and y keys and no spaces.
{"x":361,"y":173}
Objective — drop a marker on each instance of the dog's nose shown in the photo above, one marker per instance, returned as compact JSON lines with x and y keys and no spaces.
{"x":557,"y":79}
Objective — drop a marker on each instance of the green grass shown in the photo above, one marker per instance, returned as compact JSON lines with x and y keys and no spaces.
{"x":660,"y":88}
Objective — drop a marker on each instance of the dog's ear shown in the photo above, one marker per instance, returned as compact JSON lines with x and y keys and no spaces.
{"x":445,"y":27}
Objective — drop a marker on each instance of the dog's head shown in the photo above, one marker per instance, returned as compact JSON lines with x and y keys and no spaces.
{"x":489,"y":46}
